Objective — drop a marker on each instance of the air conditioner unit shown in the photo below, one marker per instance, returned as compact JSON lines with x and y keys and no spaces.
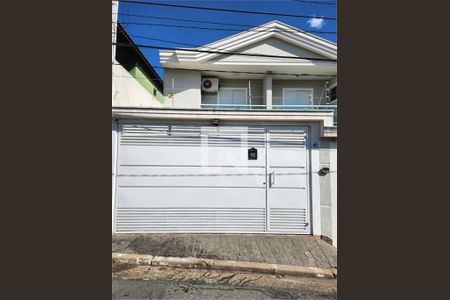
{"x":210,"y":85}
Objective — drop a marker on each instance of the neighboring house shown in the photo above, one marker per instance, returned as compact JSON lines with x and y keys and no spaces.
{"x":242,"y":143}
{"x":137,"y":83}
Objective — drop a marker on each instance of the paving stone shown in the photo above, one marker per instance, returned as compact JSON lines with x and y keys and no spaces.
{"x":300,"y":250}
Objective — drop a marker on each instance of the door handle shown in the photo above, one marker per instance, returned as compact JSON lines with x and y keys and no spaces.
{"x":272,"y":178}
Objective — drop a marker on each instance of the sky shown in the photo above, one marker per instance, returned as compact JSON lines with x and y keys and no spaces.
{"x":202,"y":37}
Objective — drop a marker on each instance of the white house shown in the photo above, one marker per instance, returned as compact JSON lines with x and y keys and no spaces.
{"x":245,"y":140}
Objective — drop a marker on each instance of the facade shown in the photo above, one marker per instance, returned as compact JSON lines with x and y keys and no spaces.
{"x":242,"y":142}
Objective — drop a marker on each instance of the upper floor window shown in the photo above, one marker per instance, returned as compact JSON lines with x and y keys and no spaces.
{"x":297,"y":96}
{"x":232,"y":96}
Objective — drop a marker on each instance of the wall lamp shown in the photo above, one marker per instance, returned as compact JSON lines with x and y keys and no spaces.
{"x":324,"y":171}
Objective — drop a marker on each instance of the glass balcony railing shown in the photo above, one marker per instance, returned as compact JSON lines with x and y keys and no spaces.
{"x":234,"y":106}
{"x":274,"y":107}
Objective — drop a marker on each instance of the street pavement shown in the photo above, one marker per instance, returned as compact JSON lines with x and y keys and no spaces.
{"x":299,"y":250}
{"x":144,"y":282}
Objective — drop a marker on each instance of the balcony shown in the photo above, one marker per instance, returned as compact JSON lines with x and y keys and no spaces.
{"x":312,"y":107}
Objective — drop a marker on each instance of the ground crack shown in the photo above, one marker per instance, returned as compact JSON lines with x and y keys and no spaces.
{"x":203,"y":275}
{"x":250,"y":280}
{"x":227,"y":278}
{"x":203,"y":261}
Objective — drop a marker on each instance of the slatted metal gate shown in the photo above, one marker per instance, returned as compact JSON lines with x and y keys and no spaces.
{"x":193,"y":178}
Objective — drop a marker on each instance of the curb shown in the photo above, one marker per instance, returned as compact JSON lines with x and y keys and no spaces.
{"x":224,"y":265}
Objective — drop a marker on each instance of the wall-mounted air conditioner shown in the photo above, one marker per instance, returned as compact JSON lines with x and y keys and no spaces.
{"x":210,"y":85}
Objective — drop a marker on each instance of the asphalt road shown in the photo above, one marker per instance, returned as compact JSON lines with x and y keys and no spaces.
{"x":165,"y":283}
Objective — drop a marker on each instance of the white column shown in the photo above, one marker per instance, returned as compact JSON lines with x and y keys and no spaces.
{"x":333,"y":179}
{"x":267,"y":84}
{"x":314,"y":137}
{"x":115,"y":146}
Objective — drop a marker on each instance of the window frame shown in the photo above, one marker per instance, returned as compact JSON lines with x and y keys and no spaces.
{"x":310,"y":90}
{"x":232,"y":88}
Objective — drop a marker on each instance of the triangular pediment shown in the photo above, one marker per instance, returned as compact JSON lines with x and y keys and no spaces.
{"x":270,"y":46}
{"x":274,"y":38}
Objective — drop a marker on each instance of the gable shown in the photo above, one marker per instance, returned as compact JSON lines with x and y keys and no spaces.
{"x":270,"y":46}
{"x":273,"y":38}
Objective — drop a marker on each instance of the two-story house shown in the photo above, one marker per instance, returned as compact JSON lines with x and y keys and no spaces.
{"x":245,"y":141}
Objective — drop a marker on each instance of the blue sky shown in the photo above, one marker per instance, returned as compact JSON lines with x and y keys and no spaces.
{"x":201,"y":37}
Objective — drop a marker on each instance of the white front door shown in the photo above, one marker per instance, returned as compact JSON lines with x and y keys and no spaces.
{"x":288,"y":180}
{"x":297,"y":96}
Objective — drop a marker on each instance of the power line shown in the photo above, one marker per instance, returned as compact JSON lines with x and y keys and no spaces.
{"x":317,"y":2}
{"x":226,"y":10}
{"x":244,"y":26}
{"x":225,"y":52}
{"x":188,"y":20}
{"x":226,"y":29}
{"x":167,"y":41}
{"x":173,"y":42}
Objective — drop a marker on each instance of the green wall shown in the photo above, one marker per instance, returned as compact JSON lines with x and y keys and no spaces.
{"x":143,"y":79}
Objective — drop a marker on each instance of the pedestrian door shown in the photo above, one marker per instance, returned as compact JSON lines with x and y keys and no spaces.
{"x":205,"y":178}
{"x":288,"y":180}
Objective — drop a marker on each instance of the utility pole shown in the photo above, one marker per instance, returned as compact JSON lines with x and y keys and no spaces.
{"x":115,"y":11}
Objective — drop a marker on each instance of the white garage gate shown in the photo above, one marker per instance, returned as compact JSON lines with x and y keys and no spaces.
{"x":206,"y":178}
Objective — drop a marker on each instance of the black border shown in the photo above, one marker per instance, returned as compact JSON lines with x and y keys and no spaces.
{"x":391,"y":215}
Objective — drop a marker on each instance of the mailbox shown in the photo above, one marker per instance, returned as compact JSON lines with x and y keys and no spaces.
{"x":252,"y":154}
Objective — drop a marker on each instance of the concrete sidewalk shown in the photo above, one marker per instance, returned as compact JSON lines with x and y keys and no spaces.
{"x":300,"y":250}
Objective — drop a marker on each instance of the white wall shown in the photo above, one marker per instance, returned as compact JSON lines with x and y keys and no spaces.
{"x":114,"y":167}
{"x":333,"y":179}
{"x":315,"y":181}
{"x":186,"y":86}
{"x":328,"y":189}
{"x":128,"y":92}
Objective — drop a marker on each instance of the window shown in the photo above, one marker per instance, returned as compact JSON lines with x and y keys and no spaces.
{"x":297,"y":96}
{"x":232,"y":96}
